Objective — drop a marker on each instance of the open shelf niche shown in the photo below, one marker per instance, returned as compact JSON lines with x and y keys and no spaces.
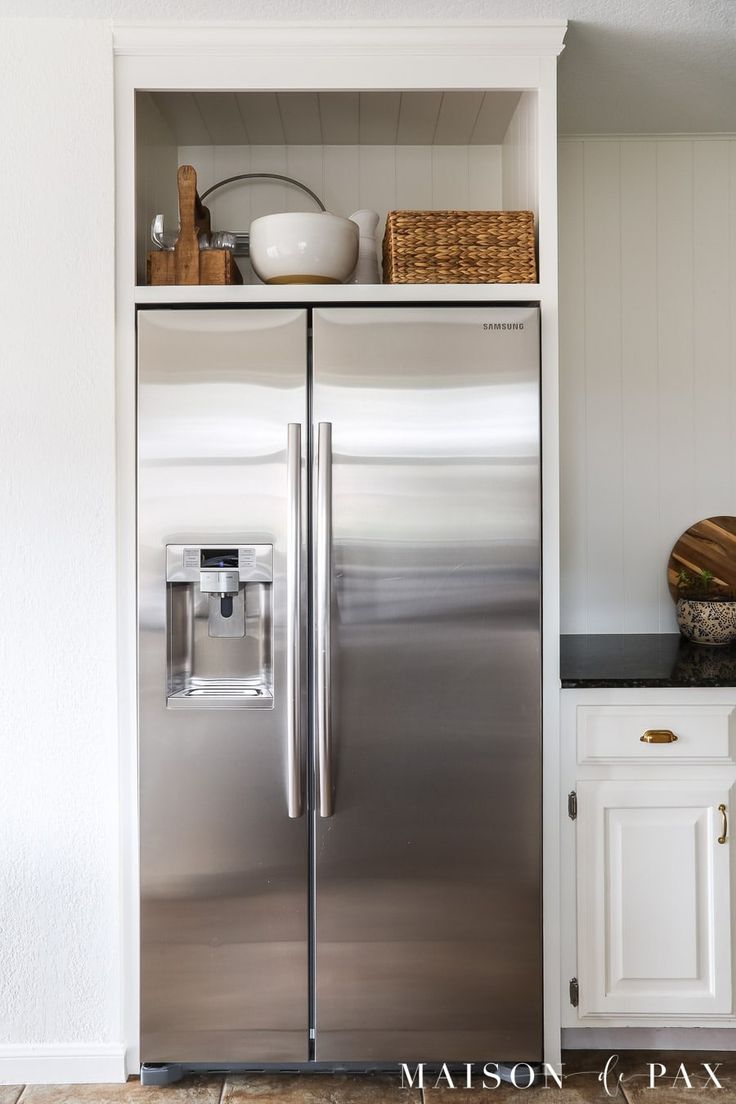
{"x":384,"y":150}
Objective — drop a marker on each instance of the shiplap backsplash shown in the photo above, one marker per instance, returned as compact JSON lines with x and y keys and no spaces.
{"x":647,"y":366}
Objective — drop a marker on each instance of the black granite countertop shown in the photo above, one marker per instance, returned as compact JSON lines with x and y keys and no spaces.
{"x":662,"y":659}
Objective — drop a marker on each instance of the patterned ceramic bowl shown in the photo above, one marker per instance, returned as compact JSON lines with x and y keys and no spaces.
{"x":707,"y":622}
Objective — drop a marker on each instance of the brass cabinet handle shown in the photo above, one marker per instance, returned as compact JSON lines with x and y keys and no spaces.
{"x":722,"y":811}
{"x":658,"y":736}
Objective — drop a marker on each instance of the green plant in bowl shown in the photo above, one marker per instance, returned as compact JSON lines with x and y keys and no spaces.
{"x":706,"y":609}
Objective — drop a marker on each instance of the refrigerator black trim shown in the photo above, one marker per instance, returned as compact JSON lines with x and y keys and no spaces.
{"x":353,"y":304}
{"x":312,"y":857}
{"x":170,"y":1072}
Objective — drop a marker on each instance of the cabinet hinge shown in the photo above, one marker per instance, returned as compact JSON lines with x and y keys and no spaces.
{"x":572,"y":805}
{"x":574,"y":992}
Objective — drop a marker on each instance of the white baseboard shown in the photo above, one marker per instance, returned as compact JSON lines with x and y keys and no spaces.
{"x":133,"y":1060}
{"x":80,"y":1064}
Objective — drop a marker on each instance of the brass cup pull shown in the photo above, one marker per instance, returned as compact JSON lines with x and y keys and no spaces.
{"x":658,"y":736}
{"x":722,"y":811}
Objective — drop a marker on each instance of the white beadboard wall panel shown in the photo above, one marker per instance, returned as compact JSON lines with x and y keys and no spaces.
{"x":203,"y":159}
{"x":347,"y":178}
{"x":414,"y":178}
{"x":338,"y":118}
{"x":520,"y":183}
{"x":493,"y":118}
{"x":603,"y":406}
{"x":732,"y":288}
{"x":233,"y":201}
{"x":221,"y":116}
{"x":300,"y":116}
{"x":378,"y":120}
{"x":573,"y":385}
{"x":340,"y":115}
{"x":712,"y":299}
{"x":484,"y":177}
{"x":338,"y":185}
{"x":309,"y":165}
{"x":648,"y":366}
{"x":376,"y":182}
{"x":156,"y":165}
{"x":457,"y":117}
{"x":261,"y":118}
{"x":639,"y":381}
{"x":449,"y":178}
{"x":267,"y":196}
{"x":678,"y":505}
{"x":183,"y":116}
{"x":418,"y":118}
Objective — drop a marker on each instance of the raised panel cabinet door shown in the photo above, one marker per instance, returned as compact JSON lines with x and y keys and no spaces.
{"x":653,"y":898}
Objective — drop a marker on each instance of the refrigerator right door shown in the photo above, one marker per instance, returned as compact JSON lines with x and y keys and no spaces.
{"x":427,"y":670}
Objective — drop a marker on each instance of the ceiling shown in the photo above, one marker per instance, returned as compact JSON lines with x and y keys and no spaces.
{"x":337,"y":118}
{"x":629,"y":67}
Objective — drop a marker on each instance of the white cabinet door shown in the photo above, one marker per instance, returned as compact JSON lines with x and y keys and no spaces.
{"x":653,"y":899}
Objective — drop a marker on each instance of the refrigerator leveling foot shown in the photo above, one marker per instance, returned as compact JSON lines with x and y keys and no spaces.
{"x":155,"y":1074}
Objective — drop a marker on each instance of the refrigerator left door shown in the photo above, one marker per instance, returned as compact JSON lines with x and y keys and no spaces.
{"x":223,"y":828}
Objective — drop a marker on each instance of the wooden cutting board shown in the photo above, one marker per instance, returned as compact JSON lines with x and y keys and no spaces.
{"x":707,"y":545}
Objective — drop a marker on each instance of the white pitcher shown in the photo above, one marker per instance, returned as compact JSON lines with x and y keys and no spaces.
{"x":366,"y":270}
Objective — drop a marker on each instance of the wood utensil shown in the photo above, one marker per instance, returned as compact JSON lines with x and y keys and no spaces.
{"x":709,"y":545}
{"x":186,"y":250}
{"x":187,"y":264}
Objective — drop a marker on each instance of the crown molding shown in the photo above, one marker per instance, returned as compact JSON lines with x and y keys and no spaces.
{"x":539,"y":39}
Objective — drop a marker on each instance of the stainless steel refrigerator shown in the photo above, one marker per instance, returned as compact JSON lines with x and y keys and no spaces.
{"x":339,"y":672}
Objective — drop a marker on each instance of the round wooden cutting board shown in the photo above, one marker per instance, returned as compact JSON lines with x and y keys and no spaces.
{"x":707,"y":545}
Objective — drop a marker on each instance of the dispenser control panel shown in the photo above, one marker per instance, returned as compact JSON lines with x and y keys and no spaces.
{"x":185,"y":563}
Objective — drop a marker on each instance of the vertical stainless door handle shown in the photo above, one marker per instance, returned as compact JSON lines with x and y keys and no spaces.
{"x":323,"y":603}
{"x":293,"y":620}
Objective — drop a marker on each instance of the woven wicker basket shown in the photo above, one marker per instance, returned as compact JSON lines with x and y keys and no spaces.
{"x":459,"y":247}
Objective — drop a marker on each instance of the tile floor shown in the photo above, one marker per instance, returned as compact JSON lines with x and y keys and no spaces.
{"x":581,"y":1085}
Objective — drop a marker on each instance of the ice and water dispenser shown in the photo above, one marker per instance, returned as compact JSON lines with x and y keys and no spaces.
{"x":219,"y":626}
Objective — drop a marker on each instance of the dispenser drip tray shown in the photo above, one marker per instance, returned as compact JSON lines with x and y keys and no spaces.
{"x":230,"y":693}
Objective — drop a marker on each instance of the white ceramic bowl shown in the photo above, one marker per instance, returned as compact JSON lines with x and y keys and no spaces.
{"x":303,"y":248}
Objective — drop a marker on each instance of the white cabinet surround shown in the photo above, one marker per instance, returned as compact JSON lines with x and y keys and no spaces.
{"x":411,"y":58}
{"x":648,"y":890}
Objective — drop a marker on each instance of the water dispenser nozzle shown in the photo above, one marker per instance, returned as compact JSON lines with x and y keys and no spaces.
{"x":222,"y":581}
